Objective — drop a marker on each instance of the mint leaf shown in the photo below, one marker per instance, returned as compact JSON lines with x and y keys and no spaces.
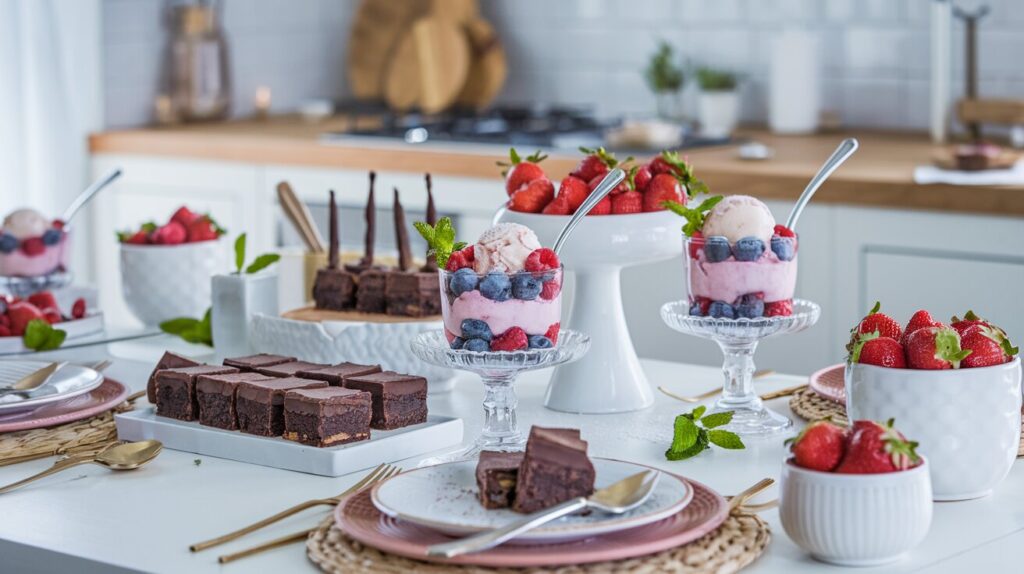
{"x":440,"y":239}
{"x":197,"y":331}
{"x":699,"y":446}
{"x":684,"y":436}
{"x":698,"y":412}
{"x":42,"y":336}
{"x":178,"y":326}
{"x":239,"y":253}
{"x":717,"y":419}
{"x":695,"y":216}
{"x":725,"y":439}
{"x":262,"y":262}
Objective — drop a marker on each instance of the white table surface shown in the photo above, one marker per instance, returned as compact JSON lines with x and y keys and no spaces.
{"x":89,"y":519}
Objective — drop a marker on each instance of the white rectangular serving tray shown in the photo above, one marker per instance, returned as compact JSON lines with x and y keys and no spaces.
{"x":384,"y":446}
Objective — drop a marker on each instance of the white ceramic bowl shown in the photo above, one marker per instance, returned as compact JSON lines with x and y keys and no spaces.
{"x":161,"y":282}
{"x":967,"y":421}
{"x":856,"y":519}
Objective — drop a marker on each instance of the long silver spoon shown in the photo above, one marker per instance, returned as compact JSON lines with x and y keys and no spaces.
{"x":610,"y":182}
{"x":84,"y":197}
{"x":842,"y":153}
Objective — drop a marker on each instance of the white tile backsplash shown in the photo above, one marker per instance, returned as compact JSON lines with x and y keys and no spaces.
{"x":874,"y":53}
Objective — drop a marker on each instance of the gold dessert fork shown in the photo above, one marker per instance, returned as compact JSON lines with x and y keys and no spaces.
{"x":708,"y":394}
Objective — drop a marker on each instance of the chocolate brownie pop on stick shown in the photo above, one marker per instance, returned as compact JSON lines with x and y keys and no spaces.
{"x":431,"y":265}
{"x":410,"y":291}
{"x":370,"y":215}
{"x":402,"y":236}
{"x":372,"y":280}
{"x":334,"y":288}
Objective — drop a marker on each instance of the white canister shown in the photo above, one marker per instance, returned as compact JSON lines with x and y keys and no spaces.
{"x":718,"y":113}
{"x":794,"y":98}
{"x":236,"y":298}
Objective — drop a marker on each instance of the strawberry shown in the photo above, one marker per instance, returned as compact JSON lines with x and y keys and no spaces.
{"x":203,"y":228}
{"x":521,"y":171}
{"x":782,"y":308}
{"x":671,"y":164}
{"x":5,"y":331}
{"x":574,"y":190}
{"x":623,"y":186}
{"x":52,"y":316}
{"x":21,"y":313}
{"x":629,"y":202}
{"x":43,"y":300}
{"x":875,"y":448}
{"x":4,"y":319}
{"x":33,"y":246}
{"x":78,"y":308}
{"x":512,"y":340}
{"x":988,"y":346}
{"x":920,"y":319}
{"x":970,"y":320}
{"x":820,"y":446}
{"x":783,"y":231}
{"x":138,"y":238}
{"x":551,"y":289}
{"x":872,"y":349}
{"x":934,"y":348}
{"x":552,"y":332}
{"x":663,"y":187}
{"x":184,"y":216}
{"x":533,"y":197}
{"x":596,"y":163}
{"x":875,"y":322}
{"x":641,"y":176}
{"x":173,"y":233}
{"x":558,"y":206}
{"x":696,"y":244}
{"x":603,"y":207}
{"x":542,"y":259}
{"x":461,"y":259}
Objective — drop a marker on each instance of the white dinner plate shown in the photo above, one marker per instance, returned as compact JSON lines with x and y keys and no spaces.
{"x":69,"y":381}
{"x":445,"y":498}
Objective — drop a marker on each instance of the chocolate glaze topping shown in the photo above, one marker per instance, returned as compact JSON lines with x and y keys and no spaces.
{"x":431,"y":264}
{"x":371,"y":225}
{"x":402,"y":236}
{"x":332,"y":254}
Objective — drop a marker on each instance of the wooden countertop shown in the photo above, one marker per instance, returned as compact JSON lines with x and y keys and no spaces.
{"x":879,"y":174}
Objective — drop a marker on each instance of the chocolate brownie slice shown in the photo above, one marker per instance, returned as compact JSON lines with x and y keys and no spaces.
{"x":398,"y":400}
{"x":176,"y":390}
{"x":555,"y":468}
{"x":260,"y":404}
{"x":335,"y":375}
{"x":370,"y":294}
{"x":326,"y":417}
{"x":496,"y":474}
{"x":289,"y":369}
{"x":168,"y":361}
{"x":215,"y":395}
{"x":253,"y":362}
{"x":334,"y":289}
{"x":414,"y":294}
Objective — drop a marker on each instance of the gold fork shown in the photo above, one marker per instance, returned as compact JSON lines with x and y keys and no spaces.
{"x":740,"y":499}
{"x":712,"y":392}
{"x":302,"y":535}
{"x":382,"y":472}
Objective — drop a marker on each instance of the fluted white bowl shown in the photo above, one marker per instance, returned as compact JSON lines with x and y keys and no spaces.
{"x":856,"y":519}
{"x":967,"y":421}
{"x":162,"y":282}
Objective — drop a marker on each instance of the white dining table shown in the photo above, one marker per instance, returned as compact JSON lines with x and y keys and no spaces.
{"x":90,"y":519}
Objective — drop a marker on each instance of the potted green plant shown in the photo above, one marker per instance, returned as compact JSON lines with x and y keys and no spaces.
{"x":665,"y":78}
{"x":718,"y":106}
{"x":237,"y":296}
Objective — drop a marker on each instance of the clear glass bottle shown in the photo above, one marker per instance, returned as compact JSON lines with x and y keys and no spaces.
{"x":198,"y":75}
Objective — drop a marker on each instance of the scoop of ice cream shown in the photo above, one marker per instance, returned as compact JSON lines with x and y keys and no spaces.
{"x":25,"y":223}
{"x":739,"y":216}
{"x":504,"y":247}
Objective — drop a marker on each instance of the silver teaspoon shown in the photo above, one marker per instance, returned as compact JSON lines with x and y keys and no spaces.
{"x":842,"y":153}
{"x":610,"y":181}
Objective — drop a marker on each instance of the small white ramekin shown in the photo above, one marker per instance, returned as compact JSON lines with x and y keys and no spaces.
{"x":856,"y":519}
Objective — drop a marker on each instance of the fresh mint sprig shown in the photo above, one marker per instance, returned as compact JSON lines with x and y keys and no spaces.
{"x":440,"y":239}
{"x":42,"y":336}
{"x":694,"y":217}
{"x":198,"y":331}
{"x":693,"y":433}
{"x":258,"y":264}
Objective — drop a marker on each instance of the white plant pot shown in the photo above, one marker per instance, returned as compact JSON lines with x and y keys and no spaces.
{"x":967,"y":421}
{"x":718,"y":113}
{"x":162,"y":282}
{"x":236,"y":298}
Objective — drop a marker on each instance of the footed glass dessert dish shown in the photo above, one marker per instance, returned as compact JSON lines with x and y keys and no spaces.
{"x":738,"y":339}
{"x":498,"y":370}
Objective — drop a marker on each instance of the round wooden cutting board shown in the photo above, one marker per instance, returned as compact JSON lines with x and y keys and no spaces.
{"x":429,"y":66}
{"x":377,"y":28}
{"x":488,"y":68}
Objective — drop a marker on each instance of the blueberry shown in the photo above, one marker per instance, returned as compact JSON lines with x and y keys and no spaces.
{"x":51,"y":237}
{"x":458,"y":342}
{"x":717,"y":249}
{"x":696,"y":311}
{"x":750,"y":306}
{"x":540,"y":342}
{"x":462,"y":281}
{"x":748,"y":249}
{"x":720,"y":310}
{"x":784,"y":247}
{"x":477,"y":345}
{"x":496,"y":286}
{"x":526,"y":287}
{"x":8,"y":243}
{"x":476,"y":329}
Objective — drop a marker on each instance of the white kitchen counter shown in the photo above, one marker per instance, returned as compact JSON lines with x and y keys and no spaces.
{"x":92,"y":520}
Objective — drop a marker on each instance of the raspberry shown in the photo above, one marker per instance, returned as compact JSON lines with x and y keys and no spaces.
{"x":542,"y":259}
{"x":603,"y":207}
{"x":33,"y":246}
{"x":704,"y":304}
{"x":551,"y":289}
{"x":461,"y":259}
{"x":778,"y":308}
{"x":783,"y":231}
{"x":52,"y":316}
{"x":552,"y":332}
{"x":696,"y":243}
{"x":78,"y":308}
{"x":514,"y":339}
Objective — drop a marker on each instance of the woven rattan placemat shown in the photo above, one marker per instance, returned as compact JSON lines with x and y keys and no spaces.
{"x":60,"y":439}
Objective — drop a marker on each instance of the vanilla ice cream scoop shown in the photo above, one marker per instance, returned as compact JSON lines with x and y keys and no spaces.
{"x":25,"y":223}
{"x":504,"y":247}
{"x":739,"y":216}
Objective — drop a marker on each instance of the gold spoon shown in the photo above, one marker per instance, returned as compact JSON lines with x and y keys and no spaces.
{"x":713,"y":392}
{"x":127,"y":456}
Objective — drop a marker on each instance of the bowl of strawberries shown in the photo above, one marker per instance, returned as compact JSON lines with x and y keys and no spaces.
{"x":166,"y":269}
{"x":857,"y":496}
{"x":955,"y":387}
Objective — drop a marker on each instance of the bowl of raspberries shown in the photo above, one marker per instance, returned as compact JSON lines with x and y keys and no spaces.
{"x":956,"y":386}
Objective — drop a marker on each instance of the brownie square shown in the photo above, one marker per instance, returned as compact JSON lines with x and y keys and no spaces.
{"x":496,"y":475}
{"x":415,"y":294}
{"x":334,"y":289}
{"x":370,"y":294}
{"x":326,"y":417}
{"x":168,"y":361}
{"x":398,"y":400}
{"x":253,"y":362}
{"x":176,"y":390}
{"x":335,"y":375}
{"x":289,"y":369}
{"x":555,"y":468}
{"x":260,"y":404}
{"x":215,"y":395}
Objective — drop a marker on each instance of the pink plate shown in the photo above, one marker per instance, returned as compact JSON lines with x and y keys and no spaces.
{"x":360,"y":519}
{"x":829,"y":383}
{"x":103,"y":398}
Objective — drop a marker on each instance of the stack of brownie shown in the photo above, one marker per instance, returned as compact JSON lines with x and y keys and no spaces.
{"x":272,"y":395}
{"x":554,"y":468}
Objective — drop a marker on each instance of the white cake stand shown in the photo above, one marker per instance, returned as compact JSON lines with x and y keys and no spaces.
{"x":738,"y":339}
{"x":610,"y":380}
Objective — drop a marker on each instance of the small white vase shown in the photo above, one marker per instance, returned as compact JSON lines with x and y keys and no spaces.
{"x":236,"y":298}
{"x":718,"y":113}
